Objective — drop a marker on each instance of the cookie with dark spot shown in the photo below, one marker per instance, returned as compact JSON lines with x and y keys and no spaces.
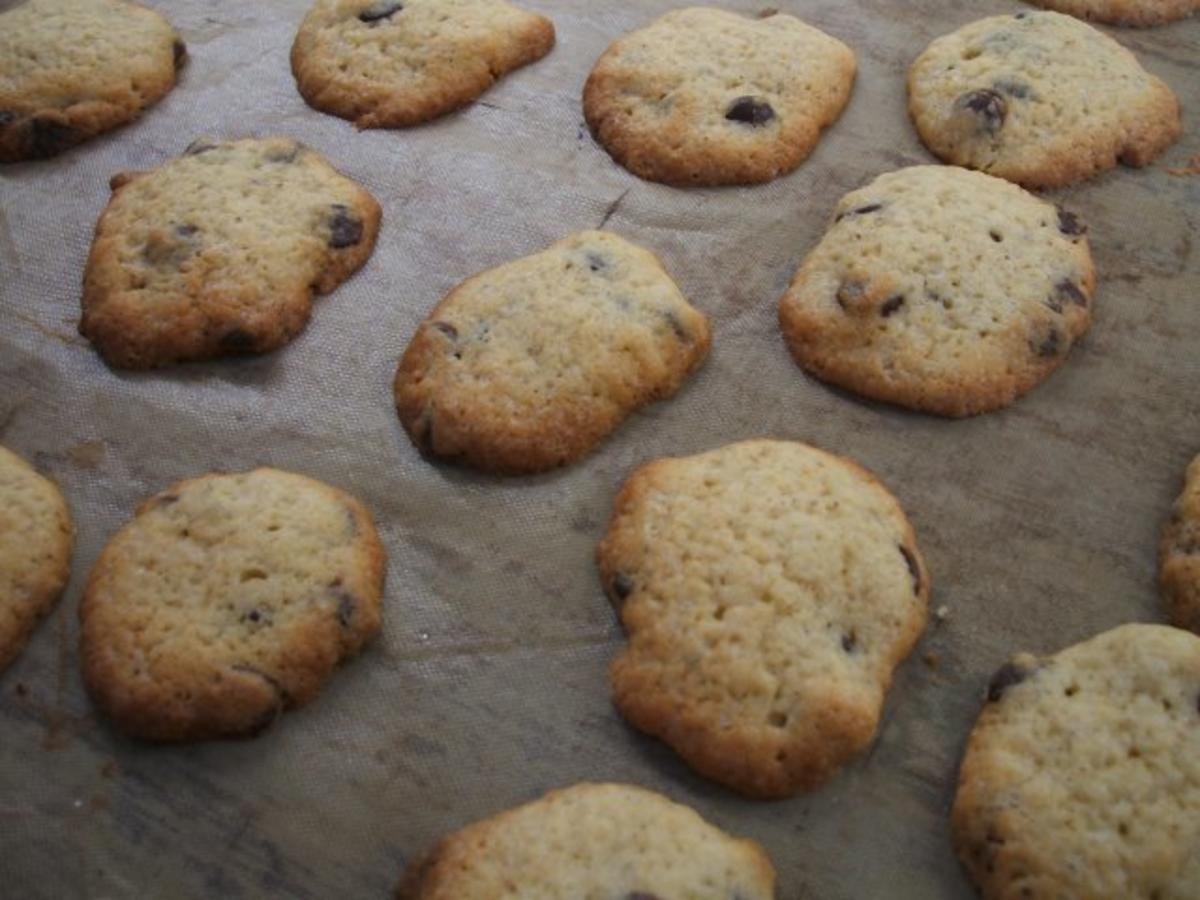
{"x":1041,"y":99}
{"x":942,"y":290}
{"x":1081,"y":778}
{"x":528,"y":366}
{"x":1179,"y":555}
{"x":226,"y":600}
{"x":592,"y":842}
{"x":768,"y":590}
{"x":73,"y":69}
{"x":1137,"y":13}
{"x":221,"y":251}
{"x":705,"y":97}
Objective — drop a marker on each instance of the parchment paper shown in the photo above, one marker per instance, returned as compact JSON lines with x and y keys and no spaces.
{"x":488,"y":685}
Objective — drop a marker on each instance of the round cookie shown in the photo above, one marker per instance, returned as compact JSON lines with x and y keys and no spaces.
{"x":1179,"y":555}
{"x":1041,"y":99}
{"x":36,"y":537}
{"x":592,"y":842}
{"x":529,"y":365}
{"x":72,"y":69}
{"x":227,"y":599}
{"x":1082,"y":776}
{"x":768,"y":590}
{"x":219,"y":252}
{"x":942,"y":290}
{"x":1124,"y":12}
{"x":390,"y":64}
{"x":707,"y":97}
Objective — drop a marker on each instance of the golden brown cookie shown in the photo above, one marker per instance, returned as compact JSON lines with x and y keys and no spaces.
{"x":1179,"y":555}
{"x":1124,"y":12}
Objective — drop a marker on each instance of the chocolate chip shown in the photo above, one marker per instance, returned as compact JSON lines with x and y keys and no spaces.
{"x":750,"y":111}
{"x":1006,"y":676}
{"x":186,"y":230}
{"x":988,"y":106}
{"x":344,"y":229}
{"x":6,"y":116}
{"x":48,"y":137}
{"x":849,"y":642}
{"x":179,"y":48}
{"x":622,"y":586}
{"x":860,"y":211}
{"x":891,"y":306}
{"x":196,"y":147}
{"x":1067,"y":291}
{"x":447,"y":329}
{"x":676,"y":326}
{"x":257,"y":616}
{"x":913,"y":568}
{"x":1049,"y":346}
{"x":378,"y":11}
{"x":1021,"y":15}
{"x":347,"y":604}
{"x":1018,"y":89}
{"x":596,"y":262}
{"x":237,"y":341}
{"x":1069,"y":224}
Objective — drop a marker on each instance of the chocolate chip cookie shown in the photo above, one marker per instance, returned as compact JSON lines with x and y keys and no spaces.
{"x":768,"y":590}
{"x":72,"y":69}
{"x":707,"y":97}
{"x":394,"y":63}
{"x":1041,"y":99}
{"x":1082,"y":776}
{"x":942,"y":290}
{"x":226,"y":600}
{"x":592,"y":842}
{"x":1124,"y":12}
{"x":1179,"y":555}
{"x":220,"y":252}
{"x":528,"y":366}
{"x":36,"y":537}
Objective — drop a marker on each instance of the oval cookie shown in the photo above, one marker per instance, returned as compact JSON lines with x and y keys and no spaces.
{"x":1124,"y":12}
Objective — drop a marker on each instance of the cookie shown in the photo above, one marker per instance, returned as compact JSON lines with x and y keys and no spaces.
{"x":942,"y":290}
{"x":73,"y":69}
{"x":528,"y":366}
{"x":592,"y":842}
{"x":219,"y":252}
{"x":36,"y":536}
{"x":707,"y":97}
{"x":226,"y":600}
{"x":1179,"y":555}
{"x":1041,"y":99}
{"x":1081,"y":779}
{"x":390,"y":64}
{"x":1124,"y":12}
{"x":768,"y":590}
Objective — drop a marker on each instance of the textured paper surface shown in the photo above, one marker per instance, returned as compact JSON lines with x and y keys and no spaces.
{"x":488,"y":684}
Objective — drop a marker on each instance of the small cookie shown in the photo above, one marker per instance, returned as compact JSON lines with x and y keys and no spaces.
{"x":1179,"y":555}
{"x":1041,"y":99}
{"x":592,"y":842}
{"x":1082,"y":777}
{"x":528,"y":366}
{"x":389,"y":64}
{"x":769,"y":590}
{"x":219,"y":252}
{"x":72,"y":69}
{"x":707,"y":97}
{"x":941,"y":290}
{"x":36,"y":537}
{"x":1139,"y":13}
{"x":227,"y":599}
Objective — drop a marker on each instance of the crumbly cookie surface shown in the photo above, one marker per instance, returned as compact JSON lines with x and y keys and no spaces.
{"x":1124,"y":12}
{"x":227,"y":599}
{"x":943,"y":290}
{"x":390,"y":64}
{"x":768,"y":590}
{"x":1082,"y":776}
{"x":1179,"y":555}
{"x":707,"y":97}
{"x":72,"y":69}
{"x":36,"y":537}
{"x":220,"y":252}
{"x":592,"y":842}
{"x":529,"y":365}
{"x":1039,"y":98}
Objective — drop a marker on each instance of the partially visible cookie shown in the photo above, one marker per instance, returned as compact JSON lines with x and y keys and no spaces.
{"x":220,"y":252}
{"x":389,"y":64}
{"x":1179,"y":555}
{"x":36,"y":536}
{"x":226,"y":600}
{"x":942,"y":290}
{"x":707,"y":97}
{"x":1082,"y":777}
{"x":1041,"y":99}
{"x":592,"y":842}
{"x":72,"y":69}
{"x":529,"y":365}
{"x":1124,"y":12}
{"x":768,"y":590}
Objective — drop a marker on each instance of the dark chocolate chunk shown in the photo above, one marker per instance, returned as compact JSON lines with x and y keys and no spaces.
{"x":196,"y":147}
{"x":677,"y":326}
{"x":988,"y":106}
{"x":379,"y":11}
{"x":1018,"y":89}
{"x":48,"y":137}
{"x":750,"y":111}
{"x":179,"y":48}
{"x":891,"y":306}
{"x":849,"y":642}
{"x":622,"y":586}
{"x":1049,"y":346}
{"x":860,"y":211}
{"x":1068,"y":292}
{"x":345,"y":230}
{"x":1006,"y":676}
{"x":257,"y":616}
{"x":1069,"y":224}
{"x":447,"y":329}
{"x":913,"y":569}
{"x":6,"y":116}
{"x":237,"y":341}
